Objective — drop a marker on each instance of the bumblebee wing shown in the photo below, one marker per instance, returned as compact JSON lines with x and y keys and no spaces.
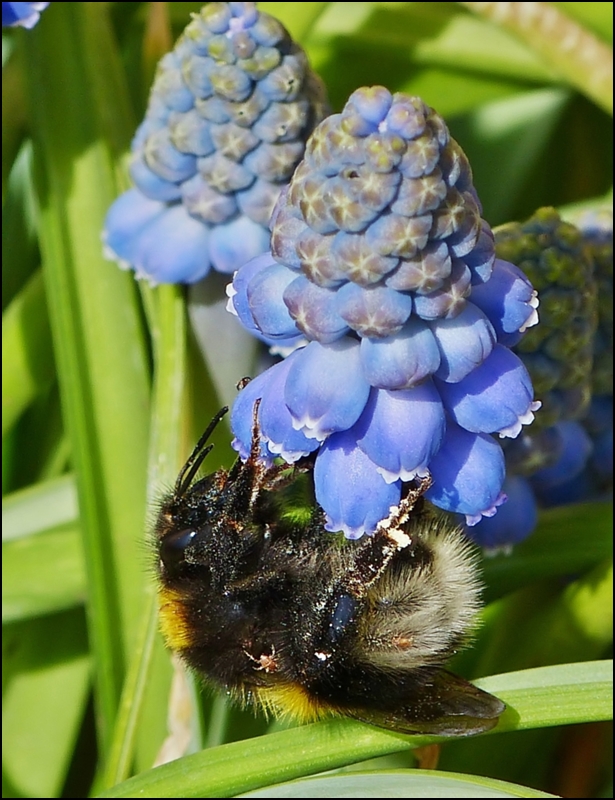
{"x":439,"y":703}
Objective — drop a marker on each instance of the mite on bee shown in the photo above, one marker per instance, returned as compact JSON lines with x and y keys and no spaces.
{"x":260,"y":600}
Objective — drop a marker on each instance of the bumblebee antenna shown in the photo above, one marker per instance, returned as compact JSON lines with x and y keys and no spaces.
{"x":198,"y":455}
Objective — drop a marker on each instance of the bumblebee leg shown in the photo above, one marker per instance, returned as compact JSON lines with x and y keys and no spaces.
{"x":373,"y":553}
{"x":400,"y":514}
{"x":254,"y":475}
{"x":248,"y":477}
{"x":368,"y":560}
{"x":282,"y":475}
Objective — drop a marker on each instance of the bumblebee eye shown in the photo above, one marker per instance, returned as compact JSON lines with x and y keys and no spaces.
{"x":173,"y":548}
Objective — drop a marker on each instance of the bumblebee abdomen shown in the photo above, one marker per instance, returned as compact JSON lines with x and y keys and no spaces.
{"x":424,"y":604}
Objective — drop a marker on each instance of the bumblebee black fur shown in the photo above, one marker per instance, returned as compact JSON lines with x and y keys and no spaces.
{"x":301,"y":622}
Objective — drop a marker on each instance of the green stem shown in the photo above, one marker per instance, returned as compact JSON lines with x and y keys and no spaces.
{"x":577,"y":55}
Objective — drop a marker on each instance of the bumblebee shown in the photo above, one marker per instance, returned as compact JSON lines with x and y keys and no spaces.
{"x":267,"y":605}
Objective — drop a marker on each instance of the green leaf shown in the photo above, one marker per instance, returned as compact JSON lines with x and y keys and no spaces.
{"x":553,"y":548}
{"x":508,"y":138}
{"x":434,"y":34}
{"x":44,"y":698}
{"x":123,"y":745}
{"x":27,"y":355}
{"x":42,"y":574}
{"x":400,"y":783}
{"x":42,"y":556}
{"x":38,"y":444}
{"x":39,"y":507}
{"x":535,"y":698}
{"x":455,"y":92}
{"x":574,"y":52}
{"x":454,"y":60}
{"x":81,"y":121}
{"x":14,"y":118}
{"x":564,"y":694}
{"x":578,"y":618}
{"x":20,"y":256}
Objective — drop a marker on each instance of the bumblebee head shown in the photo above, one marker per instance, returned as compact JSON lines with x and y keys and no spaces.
{"x":211,"y":534}
{"x":208,"y":536}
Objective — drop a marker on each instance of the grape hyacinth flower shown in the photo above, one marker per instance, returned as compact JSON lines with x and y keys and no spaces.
{"x":558,"y":352}
{"x":597,"y":230}
{"x":24,"y":15}
{"x":594,"y":478}
{"x":597,"y":479}
{"x":565,"y":359}
{"x":228,"y":116}
{"x":381,"y":260}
